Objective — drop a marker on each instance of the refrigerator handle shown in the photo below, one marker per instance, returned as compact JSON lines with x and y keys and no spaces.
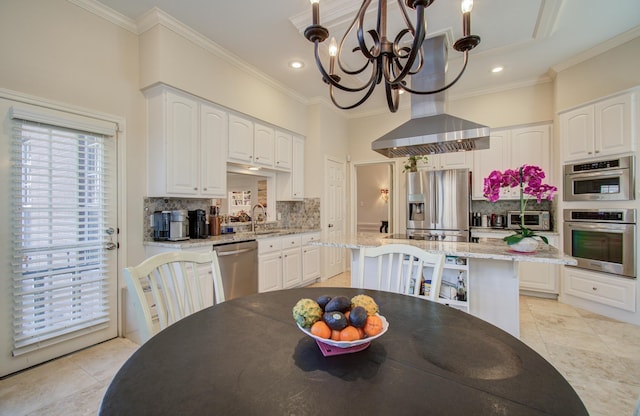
{"x":434,"y":198}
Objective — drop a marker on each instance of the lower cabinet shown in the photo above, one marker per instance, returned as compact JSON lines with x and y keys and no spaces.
{"x":618,"y":292}
{"x":286,"y":262}
{"x":310,"y":258}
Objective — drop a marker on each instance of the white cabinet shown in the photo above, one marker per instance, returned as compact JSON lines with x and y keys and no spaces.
{"x":254,"y":143}
{"x":290,"y":185}
{"x":618,"y":292}
{"x":263,"y":145}
{"x":510,"y":149}
{"x":454,"y":160}
{"x":310,"y":258}
{"x":240,"y":139}
{"x":487,"y":160}
{"x":284,"y":149}
{"x":279,"y":262}
{"x":269,"y":264}
{"x":213,"y":164}
{"x":599,"y":129}
{"x":291,"y":261}
{"x":186,"y":145}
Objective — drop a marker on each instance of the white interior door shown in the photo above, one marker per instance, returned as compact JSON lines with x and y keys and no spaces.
{"x":334,"y":215}
{"x":59,"y":256}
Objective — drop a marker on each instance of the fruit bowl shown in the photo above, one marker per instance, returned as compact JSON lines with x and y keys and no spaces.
{"x":349,"y":344}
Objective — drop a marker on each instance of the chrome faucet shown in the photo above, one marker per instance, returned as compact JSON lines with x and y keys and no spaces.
{"x":253,"y":216}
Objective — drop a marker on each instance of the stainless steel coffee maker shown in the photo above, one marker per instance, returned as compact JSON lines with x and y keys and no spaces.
{"x":179,"y":225}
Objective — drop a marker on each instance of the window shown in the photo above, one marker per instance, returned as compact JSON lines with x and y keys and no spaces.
{"x":59,"y":230}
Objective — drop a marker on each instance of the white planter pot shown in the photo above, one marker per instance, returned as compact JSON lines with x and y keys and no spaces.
{"x":526,"y":245}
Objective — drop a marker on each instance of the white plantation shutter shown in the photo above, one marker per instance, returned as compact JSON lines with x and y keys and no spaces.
{"x":59,"y":201}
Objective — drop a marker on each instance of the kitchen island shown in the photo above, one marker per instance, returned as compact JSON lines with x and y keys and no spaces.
{"x":493,"y":281}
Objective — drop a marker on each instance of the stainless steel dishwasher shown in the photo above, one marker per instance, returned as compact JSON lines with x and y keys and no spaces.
{"x":239,"y":268}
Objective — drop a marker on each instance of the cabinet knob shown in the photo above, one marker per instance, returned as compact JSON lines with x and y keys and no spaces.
{"x":195,"y":189}
{"x":594,"y":288}
{"x":277,"y":163}
{"x":257,"y":158}
{"x":205,"y":189}
{"x":597,"y":151}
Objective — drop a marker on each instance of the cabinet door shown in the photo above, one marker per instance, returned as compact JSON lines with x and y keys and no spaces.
{"x":263,"y":145}
{"x":297,"y":173}
{"x":487,"y":160}
{"x":270,"y":271}
{"x":213,"y":142}
{"x":576,"y":133}
{"x":291,"y":267}
{"x":539,"y":277}
{"x":613,"y":126}
{"x":455,"y":160}
{"x":240,"y":143}
{"x":310,"y":263}
{"x":284,"y":148}
{"x":182,"y":145}
{"x":530,"y":146}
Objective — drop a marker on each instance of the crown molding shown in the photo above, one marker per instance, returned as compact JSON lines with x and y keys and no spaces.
{"x":332,"y":13}
{"x":157,"y":16}
{"x":107,"y":13}
{"x":598,"y":49}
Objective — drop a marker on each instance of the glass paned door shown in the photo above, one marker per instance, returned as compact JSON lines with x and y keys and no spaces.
{"x":63,"y":241}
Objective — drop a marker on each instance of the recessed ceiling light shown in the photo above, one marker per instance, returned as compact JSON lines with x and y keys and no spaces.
{"x":497,"y":69}
{"x":296,"y":64}
{"x":254,"y":168}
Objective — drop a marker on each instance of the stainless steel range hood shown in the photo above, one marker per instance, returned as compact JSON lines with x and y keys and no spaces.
{"x":430,"y":129}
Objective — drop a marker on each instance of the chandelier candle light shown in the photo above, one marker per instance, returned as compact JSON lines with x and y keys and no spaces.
{"x":389,"y":61}
{"x":529,"y":179}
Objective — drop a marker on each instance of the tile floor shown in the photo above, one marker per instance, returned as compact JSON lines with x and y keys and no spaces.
{"x":600,"y":357}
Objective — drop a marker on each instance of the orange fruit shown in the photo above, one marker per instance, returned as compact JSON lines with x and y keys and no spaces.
{"x":350,"y":333}
{"x":361,"y":332}
{"x":321,"y":329}
{"x":335,"y":335}
{"x":373,"y":326}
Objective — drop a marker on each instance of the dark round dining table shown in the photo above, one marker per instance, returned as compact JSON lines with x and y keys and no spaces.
{"x":247,"y":357}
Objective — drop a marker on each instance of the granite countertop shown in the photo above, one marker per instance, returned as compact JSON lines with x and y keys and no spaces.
{"x":230,"y":238}
{"x":494,"y":249}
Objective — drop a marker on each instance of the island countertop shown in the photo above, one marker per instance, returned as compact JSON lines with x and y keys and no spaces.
{"x":494,"y":249}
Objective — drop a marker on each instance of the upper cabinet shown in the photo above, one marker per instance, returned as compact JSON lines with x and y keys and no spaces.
{"x":263,"y":145}
{"x":284,"y":149}
{"x":240,"y":139}
{"x":291,"y":184}
{"x":454,"y":160}
{"x":599,"y":129}
{"x":186,"y":145}
{"x":510,"y":149}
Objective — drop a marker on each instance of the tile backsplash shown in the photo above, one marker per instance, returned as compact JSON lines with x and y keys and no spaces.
{"x":293,"y":214}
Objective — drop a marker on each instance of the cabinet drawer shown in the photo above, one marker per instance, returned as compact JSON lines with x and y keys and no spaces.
{"x":597,"y":287}
{"x":307,"y":238}
{"x":269,"y":245}
{"x":291,"y":241}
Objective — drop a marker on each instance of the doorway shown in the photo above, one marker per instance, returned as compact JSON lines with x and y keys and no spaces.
{"x":60,"y":259}
{"x":373,"y":199}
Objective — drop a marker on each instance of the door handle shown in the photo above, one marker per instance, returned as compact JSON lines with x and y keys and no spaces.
{"x":330,"y":225}
{"x":230,"y":253}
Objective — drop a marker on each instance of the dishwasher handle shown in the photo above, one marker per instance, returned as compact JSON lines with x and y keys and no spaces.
{"x":233,"y":252}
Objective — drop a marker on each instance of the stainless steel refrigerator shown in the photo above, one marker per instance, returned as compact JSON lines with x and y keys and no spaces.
{"x":438,"y":204}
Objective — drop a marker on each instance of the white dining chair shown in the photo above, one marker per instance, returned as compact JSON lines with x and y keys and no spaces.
{"x":170,"y":286}
{"x":400,"y":268}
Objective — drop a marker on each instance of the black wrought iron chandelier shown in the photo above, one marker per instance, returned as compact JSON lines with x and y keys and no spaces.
{"x":388,"y":60}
